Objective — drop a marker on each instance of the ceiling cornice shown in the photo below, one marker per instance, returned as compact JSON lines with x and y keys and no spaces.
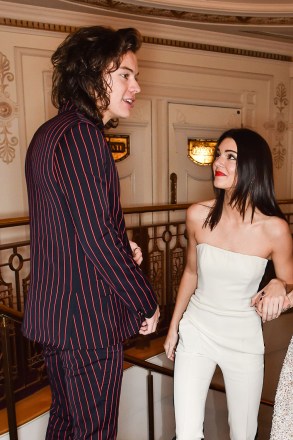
{"x":248,"y":7}
{"x":198,"y":10}
{"x":239,"y":34}
{"x":28,"y":24}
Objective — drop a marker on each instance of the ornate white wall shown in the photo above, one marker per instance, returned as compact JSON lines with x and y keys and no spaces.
{"x":191,"y":67}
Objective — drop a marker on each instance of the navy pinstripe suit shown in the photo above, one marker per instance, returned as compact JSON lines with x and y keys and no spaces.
{"x":86,"y":292}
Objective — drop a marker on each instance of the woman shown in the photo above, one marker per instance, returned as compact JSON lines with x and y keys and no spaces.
{"x":282,"y":426}
{"x":230,"y":240}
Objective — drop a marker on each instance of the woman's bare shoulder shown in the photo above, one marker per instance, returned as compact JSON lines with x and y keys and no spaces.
{"x":200,"y":210}
{"x":276,"y":227}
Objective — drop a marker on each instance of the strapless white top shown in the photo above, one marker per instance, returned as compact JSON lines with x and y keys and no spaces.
{"x":220,"y":306}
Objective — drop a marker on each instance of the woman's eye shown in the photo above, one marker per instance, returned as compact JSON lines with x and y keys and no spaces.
{"x":125,"y":75}
{"x":232,"y":157}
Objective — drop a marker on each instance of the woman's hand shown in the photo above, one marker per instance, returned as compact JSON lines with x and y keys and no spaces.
{"x":269,"y":302}
{"x":136,"y":252}
{"x":170,"y":344}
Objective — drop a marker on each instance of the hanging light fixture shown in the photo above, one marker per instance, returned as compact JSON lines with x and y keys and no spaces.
{"x":201,"y":151}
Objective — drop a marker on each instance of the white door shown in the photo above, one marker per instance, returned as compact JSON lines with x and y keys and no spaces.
{"x":194,"y":122}
{"x":135,"y":170}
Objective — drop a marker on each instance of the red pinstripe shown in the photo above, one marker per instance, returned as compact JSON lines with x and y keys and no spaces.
{"x":79,"y":245}
{"x":85,"y":403}
{"x":86,"y":293}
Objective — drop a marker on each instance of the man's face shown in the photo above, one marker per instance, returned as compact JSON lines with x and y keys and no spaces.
{"x":124,"y":87}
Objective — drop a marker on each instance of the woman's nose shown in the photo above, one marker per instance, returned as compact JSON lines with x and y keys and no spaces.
{"x":219,"y":160}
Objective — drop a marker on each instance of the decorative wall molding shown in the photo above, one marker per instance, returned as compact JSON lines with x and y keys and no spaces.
{"x":28,"y":24}
{"x":4,"y":21}
{"x":216,"y":48}
{"x":279,"y":125}
{"x":8,"y":112}
{"x":192,"y":14}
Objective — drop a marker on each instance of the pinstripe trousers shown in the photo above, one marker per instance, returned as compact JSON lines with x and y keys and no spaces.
{"x":85,"y":387}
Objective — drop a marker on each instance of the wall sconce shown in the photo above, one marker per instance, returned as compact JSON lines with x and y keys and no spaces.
{"x":120,"y":146}
{"x":201,"y":151}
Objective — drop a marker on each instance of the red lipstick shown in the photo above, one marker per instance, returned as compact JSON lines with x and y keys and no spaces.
{"x":219,"y":173}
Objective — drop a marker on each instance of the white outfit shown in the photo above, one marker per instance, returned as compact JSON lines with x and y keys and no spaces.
{"x":220,"y":327}
{"x":282,"y":426}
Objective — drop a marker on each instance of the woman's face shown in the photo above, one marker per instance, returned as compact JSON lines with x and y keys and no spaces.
{"x":225,"y":165}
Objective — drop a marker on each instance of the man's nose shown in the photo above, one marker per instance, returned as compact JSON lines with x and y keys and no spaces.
{"x":135,"y":88}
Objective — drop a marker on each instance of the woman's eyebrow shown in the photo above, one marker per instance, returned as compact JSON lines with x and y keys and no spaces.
{"x":230,"y":151}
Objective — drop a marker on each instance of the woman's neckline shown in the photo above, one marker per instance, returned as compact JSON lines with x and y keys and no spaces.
{"x":232,"y":252}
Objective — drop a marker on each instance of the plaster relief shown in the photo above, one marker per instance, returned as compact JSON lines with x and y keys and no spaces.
{"x":279,"y":125}
{"x":8,"y":112}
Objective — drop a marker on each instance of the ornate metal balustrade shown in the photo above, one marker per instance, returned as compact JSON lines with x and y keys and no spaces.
{"x":159,"y":230}
{"x":162,"y":239}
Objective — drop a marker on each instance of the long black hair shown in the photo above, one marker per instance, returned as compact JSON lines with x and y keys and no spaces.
{"x":255,"y":183}
{"x":81,"y":63}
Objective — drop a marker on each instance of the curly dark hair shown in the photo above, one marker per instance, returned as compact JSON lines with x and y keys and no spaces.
{"x":255,"y":183}
{"x":82,"y":62}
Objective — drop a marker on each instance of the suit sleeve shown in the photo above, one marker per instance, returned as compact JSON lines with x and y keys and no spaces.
{"x":83,"y":172}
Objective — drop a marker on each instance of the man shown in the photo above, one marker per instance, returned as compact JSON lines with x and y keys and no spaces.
{"x":87,"y":293}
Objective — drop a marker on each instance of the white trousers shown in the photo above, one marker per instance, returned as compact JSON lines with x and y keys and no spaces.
{"x":195,"y":363}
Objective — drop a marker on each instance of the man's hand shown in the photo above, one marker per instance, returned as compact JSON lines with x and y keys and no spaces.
{"x":269,"y":301}
{"x":136,"y":252}
{"x":149,"y":325}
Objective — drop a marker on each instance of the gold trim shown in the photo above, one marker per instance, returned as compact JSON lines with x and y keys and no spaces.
{"x":120,"y":146}
{"x":215,"y":48}
{"x":4,"y":21}
{"x":180,"y":15}
{"x":201,"y":151}
{"x":281,"y":126}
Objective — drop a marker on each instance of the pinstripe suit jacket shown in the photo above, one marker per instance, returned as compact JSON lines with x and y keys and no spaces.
{"x":85,"y":289}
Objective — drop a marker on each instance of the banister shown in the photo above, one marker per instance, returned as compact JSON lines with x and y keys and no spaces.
{"x":169,"y":372}
{"x":148,"y":365}
{"x":21,"y":221}
{"x":9,"y":312}
{"x":5,"y":316}
{"x":166,"y":372}
{"x":17,"y":221}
